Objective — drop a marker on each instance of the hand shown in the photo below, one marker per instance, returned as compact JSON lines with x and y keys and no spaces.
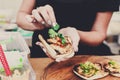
{"x":53,"y":55}
{"x":50,"y":52}
{"x":73,"y":34}
{"x":43,"y":15}
{"x":64,"y":57}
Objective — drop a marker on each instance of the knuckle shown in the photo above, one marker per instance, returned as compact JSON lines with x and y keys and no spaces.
{"x":40,"y":9}
{"x":53,"y":19}
{"x":34,"y":10}
{"x":48,"y":7}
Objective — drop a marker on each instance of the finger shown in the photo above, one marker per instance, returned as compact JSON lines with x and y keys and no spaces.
{"x":43,"y":12}
{"x":30,"y":18}
{"x":51,"y":14}
{"x":60,"y":59}
{"x":44,"y":49}
{"x":71,"y":55}
{"x":42,"y":46}
{"x":76,"y":40}
{"x":49,"y":49}
{"x":39,"y":44}
{"x":37,"y":16}
{"x":66,"y":56}
{"x":75,"y":48}
{"x":75,"y":43}
{"x":34,"y":20}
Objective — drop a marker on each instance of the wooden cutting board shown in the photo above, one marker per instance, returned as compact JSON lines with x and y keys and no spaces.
{"x":63,"y":70}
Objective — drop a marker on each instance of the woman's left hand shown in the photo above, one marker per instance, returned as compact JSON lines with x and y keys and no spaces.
{"x":73,"y":34}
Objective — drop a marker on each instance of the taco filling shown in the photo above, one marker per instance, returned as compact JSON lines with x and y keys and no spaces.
{"x":89,"y":69}
{"x":112,"y":67}
{"x":57,"y":44}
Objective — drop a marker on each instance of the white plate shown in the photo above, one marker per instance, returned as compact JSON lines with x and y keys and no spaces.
{"x":96,"y":76}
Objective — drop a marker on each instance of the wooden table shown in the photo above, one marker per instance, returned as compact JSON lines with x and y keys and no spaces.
{"x":47,"y":69}
{"x":39,"y":65}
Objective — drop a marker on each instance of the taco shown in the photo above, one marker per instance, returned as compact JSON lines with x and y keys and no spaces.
{"x":55,"y":47}
{"x":89,"y":70}
{"x":113,"y":68}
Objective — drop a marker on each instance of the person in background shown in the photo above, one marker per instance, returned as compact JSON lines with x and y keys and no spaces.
{"x":85,"y":21}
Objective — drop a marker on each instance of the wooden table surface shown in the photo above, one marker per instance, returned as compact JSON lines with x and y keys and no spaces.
{"x":47,"y":69}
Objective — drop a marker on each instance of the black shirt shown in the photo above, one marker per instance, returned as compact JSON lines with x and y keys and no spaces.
{"x":75,"y":13}
{"x":78,"y":13}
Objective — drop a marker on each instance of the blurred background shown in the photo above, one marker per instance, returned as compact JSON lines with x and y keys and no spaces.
{"x":8,"y":11}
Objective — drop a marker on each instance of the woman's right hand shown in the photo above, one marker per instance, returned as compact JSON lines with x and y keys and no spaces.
{"x":44,"y":15}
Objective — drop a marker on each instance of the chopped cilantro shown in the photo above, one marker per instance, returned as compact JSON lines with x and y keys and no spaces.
{"x":87,"y":67}
{"x":52,"y":33}
{"x":111,"y":62}
{"x":56,"y":27}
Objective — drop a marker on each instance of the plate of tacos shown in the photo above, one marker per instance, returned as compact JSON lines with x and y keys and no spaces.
{"x":89,"y":70}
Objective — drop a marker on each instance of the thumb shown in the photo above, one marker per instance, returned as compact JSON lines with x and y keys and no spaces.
{"x":75,"y":48}
{"x":75,"y":45}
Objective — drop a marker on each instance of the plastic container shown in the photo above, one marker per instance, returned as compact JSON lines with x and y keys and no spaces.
{"x":14,"y":46}
{"x":19,"y":66}
{"x":14,"y":41}
{"x":10,"y":27}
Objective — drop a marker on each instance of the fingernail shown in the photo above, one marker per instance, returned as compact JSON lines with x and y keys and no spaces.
{"x":54,"y":24}
{"x":37,"y":43}
{"x":49,"y":22}
{"x":44,"y":50}
{"x":43,"y":22}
